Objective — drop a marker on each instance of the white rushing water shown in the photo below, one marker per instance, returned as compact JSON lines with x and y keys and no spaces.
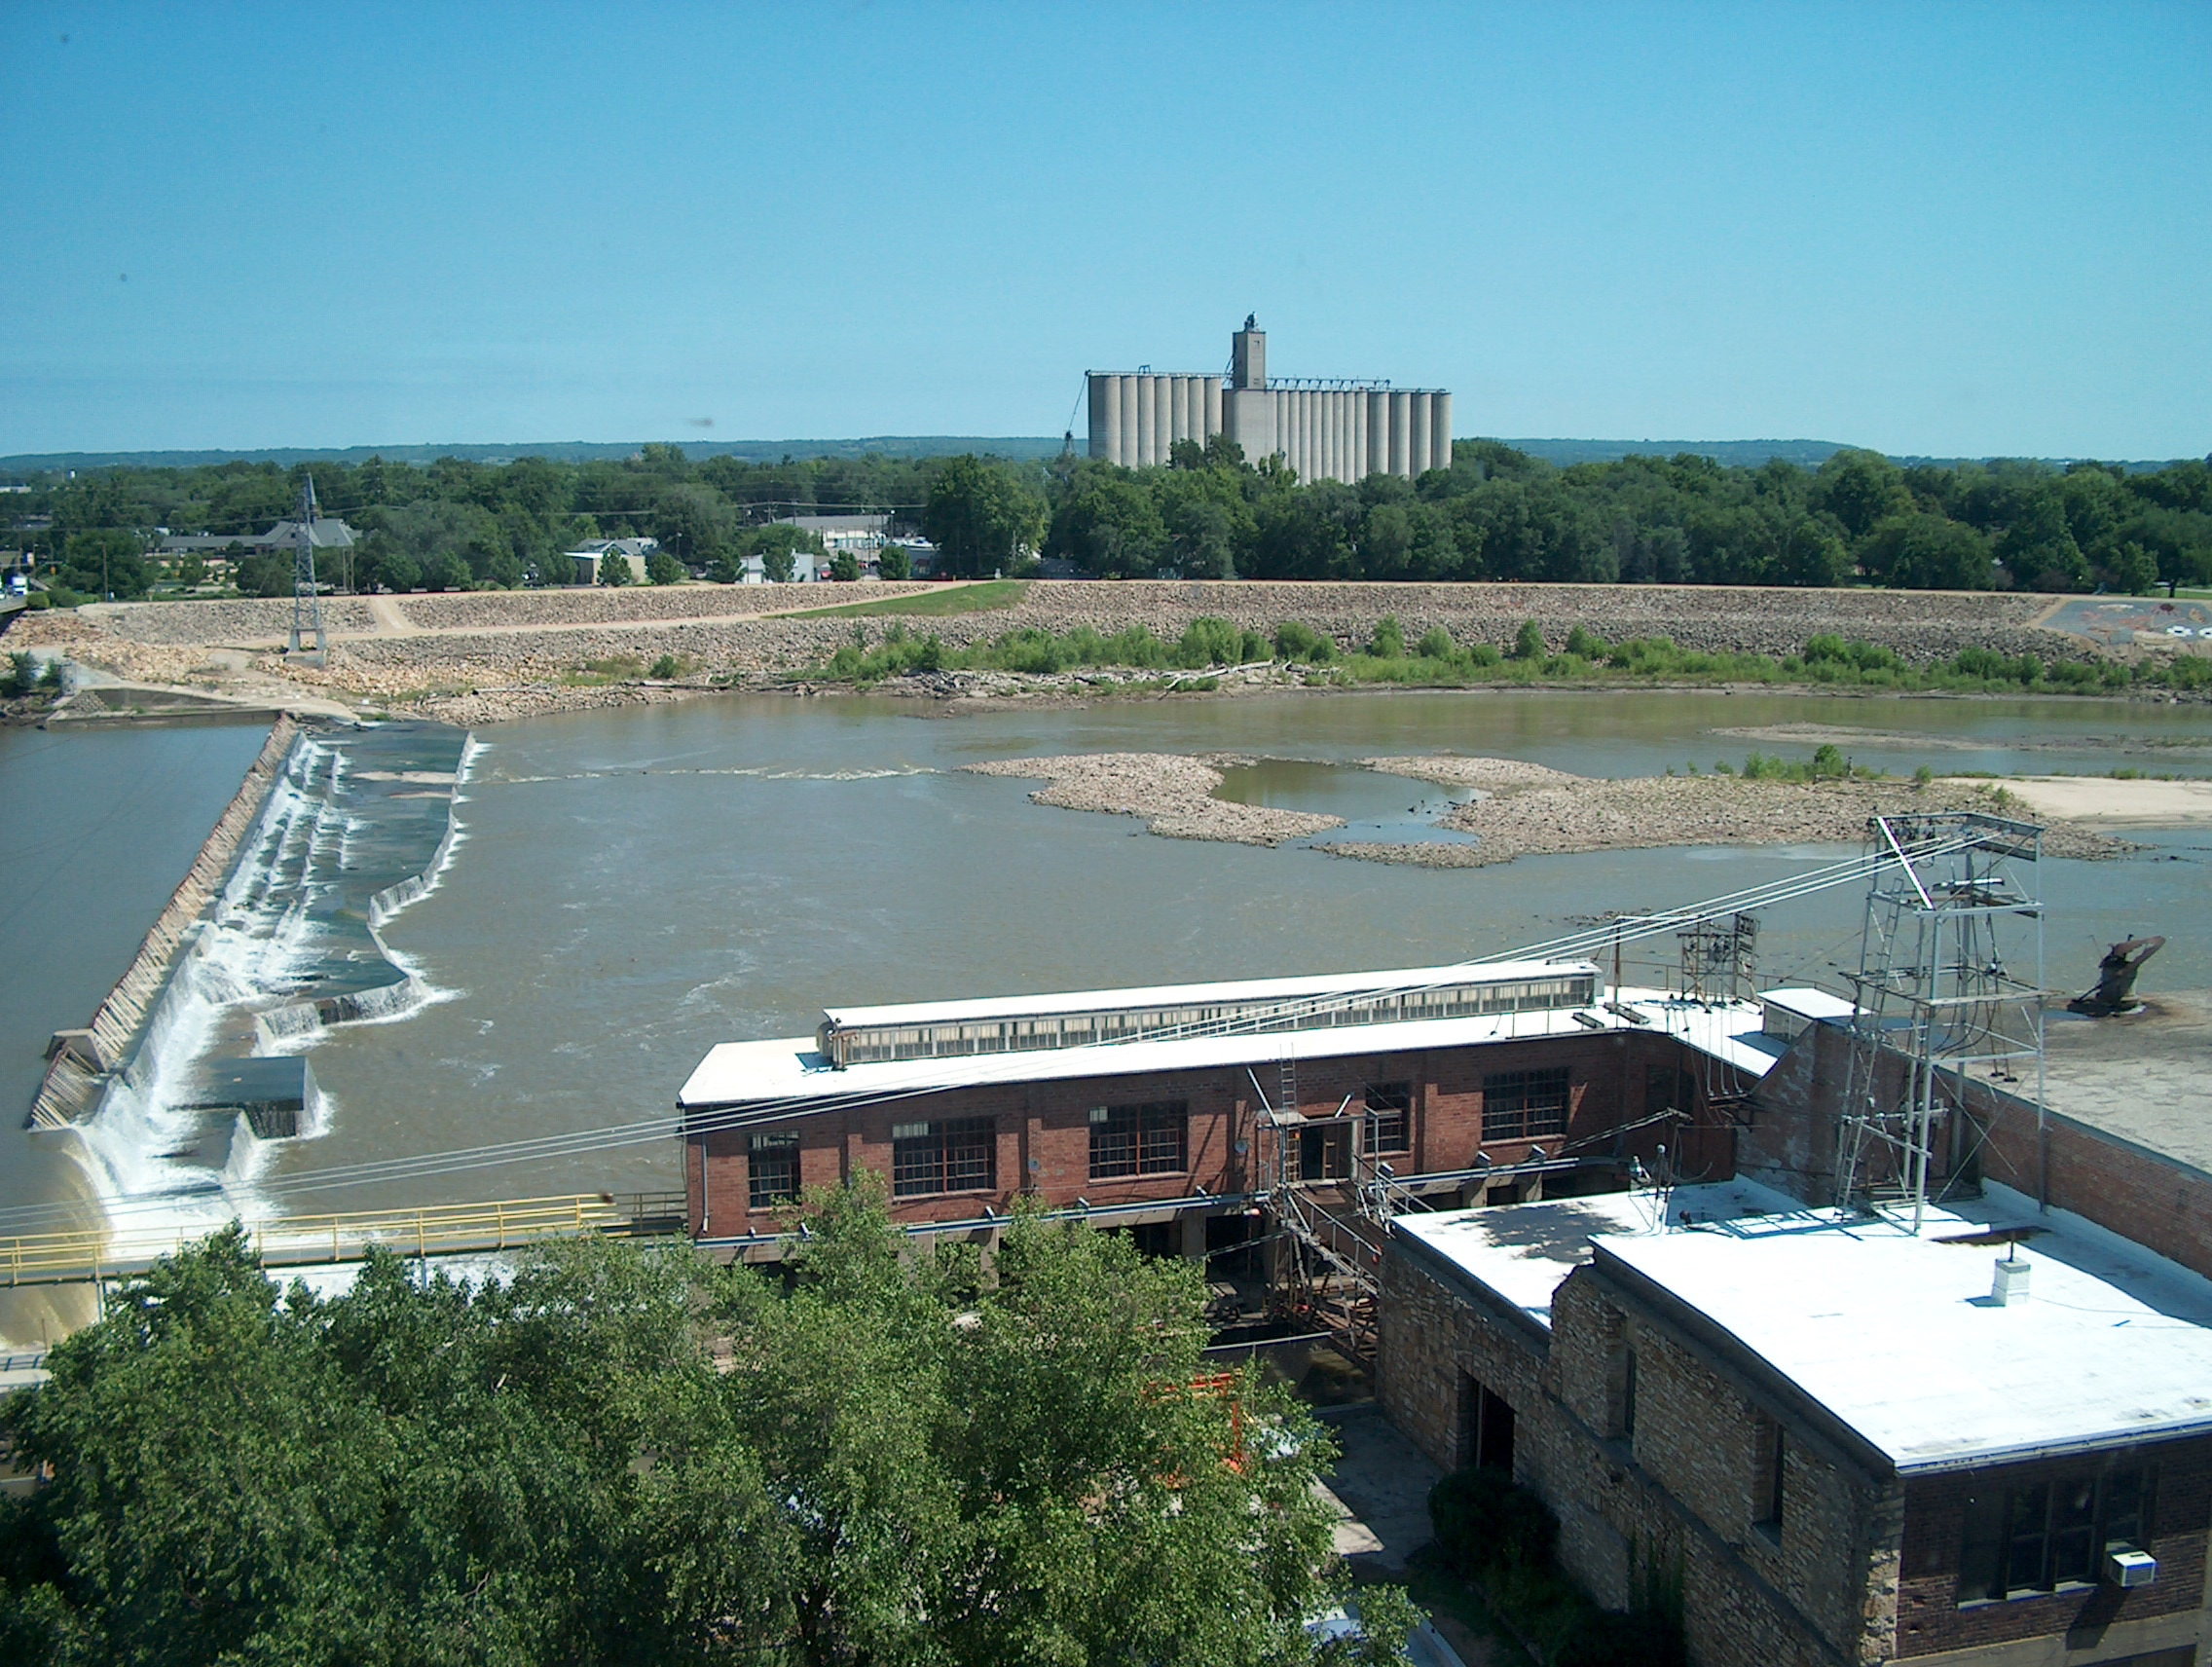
{"x":291,"y":947}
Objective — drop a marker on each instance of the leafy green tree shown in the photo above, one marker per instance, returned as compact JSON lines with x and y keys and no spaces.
{"x":107,"y":563}
{"x":693,"y":522}
{"x":191,"y":571}
{"x":2039,"y":547}
{"x":1921,"y":551}
{"x":1858,"y":489}
{"x":981,"y":517}
{"x":894,"y":563}
{"x":615,"y":568}
{"x":844,"y":567}
{"x":1109,"y":525}
{"x":661,"y":567}
{"x":265,"y":575}
{"x":391,"y":570}
{"x":445,"y":570}
{"x":899,"y":1461}
{"x":1388,"y":639}
{"x":1528,"y":642}
{"x":778,"y":563}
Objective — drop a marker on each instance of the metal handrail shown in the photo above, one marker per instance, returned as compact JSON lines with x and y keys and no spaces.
{"x":296,"y":1240}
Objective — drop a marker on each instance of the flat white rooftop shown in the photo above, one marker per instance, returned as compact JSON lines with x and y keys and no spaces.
{"x":1308,"y":987}
{"x":1894,"y":1334}
{"x":790,"y":1076}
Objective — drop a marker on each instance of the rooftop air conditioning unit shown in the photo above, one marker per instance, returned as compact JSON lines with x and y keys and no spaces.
{"x":2130,"y":1568}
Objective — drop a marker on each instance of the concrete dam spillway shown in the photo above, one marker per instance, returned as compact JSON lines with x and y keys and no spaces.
{"x":1341,"y":430}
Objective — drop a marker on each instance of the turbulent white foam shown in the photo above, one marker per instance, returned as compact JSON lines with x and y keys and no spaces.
{"x":164,"y":1166}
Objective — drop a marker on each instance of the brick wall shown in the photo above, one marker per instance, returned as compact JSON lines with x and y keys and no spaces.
{"x":2156,"y":1200}
{"x":1929,"y":1618}
{"x":1674,"y":1503}
{"x":1666,"y":1517}
{"x":1432,"y":1335}
{"x":1044,"y":1130}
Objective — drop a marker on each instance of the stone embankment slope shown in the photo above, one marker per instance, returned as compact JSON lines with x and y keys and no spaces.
{"x":476,"y":657}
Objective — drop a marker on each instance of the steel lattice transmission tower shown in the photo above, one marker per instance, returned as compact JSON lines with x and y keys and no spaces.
{"x":307,"y":603}
{"x":1949,"y":986}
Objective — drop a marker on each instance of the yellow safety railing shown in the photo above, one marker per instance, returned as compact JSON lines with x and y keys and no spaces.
{"x":299,"y":1240}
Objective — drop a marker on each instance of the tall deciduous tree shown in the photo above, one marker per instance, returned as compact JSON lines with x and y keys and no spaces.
{"x":899,"y":1461}
{"x":981,"y":517}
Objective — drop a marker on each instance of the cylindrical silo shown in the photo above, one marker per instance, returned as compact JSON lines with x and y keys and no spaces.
{"x":1282,"y":399}
{"x":1212,"y":388}
{"x":1148,"y":419}
{"x":1099,"y":391}
{"x":1317,"y":464}
{"x":1378,"y":431}
{"x":1194,"y":408}
{"x":1417,"y":449}
{"x":1440,"y":431}
{"x":1125,"y":431}
{"x":1355,"y":452}
{"x":1186,"y":388}
{"x":1332,"y":465}
{"x":1401,"y":431}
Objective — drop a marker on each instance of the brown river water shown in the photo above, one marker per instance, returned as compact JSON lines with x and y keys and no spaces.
{"x":635,"y":885}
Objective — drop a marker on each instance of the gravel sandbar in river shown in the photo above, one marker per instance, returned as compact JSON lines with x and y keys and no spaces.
{"x":1173,"y":791}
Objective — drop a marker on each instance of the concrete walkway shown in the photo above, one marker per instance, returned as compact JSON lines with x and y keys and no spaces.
{"x":1380,"y":1486}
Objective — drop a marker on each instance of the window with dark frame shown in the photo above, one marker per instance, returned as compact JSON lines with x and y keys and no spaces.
{"x":2038,"y":1536}
{"x":1520,"y":1105}
{"x":1769,"y":1455}
{"x":955,"y":1155}
{"x":1149,"y":1139}
{"x":771,"y":1170}
{"x":1389,"y":1119}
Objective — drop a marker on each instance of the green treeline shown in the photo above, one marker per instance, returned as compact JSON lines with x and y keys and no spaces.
{"x":1495,"y":514}
{"x":631,"y":1457}
{"x":1440,"y":660}
{"x":1500,"y":515}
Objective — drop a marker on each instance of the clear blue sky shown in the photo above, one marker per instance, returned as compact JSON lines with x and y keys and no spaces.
{"x":1951,"y":229}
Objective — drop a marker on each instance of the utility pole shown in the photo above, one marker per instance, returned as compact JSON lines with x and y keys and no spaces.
{"x":307,"y":606}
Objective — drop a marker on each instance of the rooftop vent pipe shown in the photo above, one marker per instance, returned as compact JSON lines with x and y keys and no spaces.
{"x":2011,"y":1284}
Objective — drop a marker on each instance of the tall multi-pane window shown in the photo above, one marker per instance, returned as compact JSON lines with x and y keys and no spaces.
{"x":1151,"y":1139}
{"x":1520,"y":1105}
{"x":1389,"y":1116}
{"x":953,"y":1154}
{"x":771,"y":1163}
{"x":1769,"y":1455}
{"x":2036,"y":1537}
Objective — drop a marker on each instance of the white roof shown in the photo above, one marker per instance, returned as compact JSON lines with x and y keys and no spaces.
{"x":1809,"y":1003}
{"x":1187,"y":995}
{"x":789,"y":1076}
{"x":1522,"y":1251}
{"x":1894,"y":1334}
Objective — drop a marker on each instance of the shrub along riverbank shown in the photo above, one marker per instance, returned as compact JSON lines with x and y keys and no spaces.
{"x":1441,"y":661}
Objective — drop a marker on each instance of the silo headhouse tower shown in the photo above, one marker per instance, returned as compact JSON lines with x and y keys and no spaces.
{"x":1324,"y":429}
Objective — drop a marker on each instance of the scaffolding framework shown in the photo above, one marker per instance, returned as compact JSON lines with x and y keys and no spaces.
{"x":1950,"y":985}
{"x":307,"y":601}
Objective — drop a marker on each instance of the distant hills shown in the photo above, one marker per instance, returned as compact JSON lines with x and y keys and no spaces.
{"x":1744,"y":454}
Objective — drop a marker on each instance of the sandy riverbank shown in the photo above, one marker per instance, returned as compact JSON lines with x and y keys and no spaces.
{"x":1522,"y":809}
{"x":2101,"y":801}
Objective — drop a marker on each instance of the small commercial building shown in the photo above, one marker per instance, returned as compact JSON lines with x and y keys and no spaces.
{"x":1190,"y":1109}
{"x":1820,"y":1438}
{"x":592,"y":558}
